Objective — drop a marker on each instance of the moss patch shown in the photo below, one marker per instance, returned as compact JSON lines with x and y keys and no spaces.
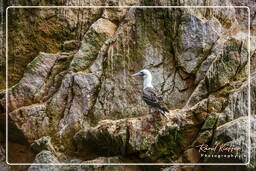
{"x":29,"y":34}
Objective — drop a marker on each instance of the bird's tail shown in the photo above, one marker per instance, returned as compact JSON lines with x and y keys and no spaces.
{"x":163,"y":111}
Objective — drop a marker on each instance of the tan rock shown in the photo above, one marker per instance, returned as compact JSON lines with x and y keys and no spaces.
{"x":92,"y":41}
{"x":191,"y":155}
{"x":31,"y":120}
{"x":150,"y":136}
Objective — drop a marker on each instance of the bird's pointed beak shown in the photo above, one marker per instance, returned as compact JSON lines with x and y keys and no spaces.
{"x":136,"y":74}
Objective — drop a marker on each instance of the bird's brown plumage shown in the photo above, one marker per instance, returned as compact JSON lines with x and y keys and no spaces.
{"x":152,"y":100}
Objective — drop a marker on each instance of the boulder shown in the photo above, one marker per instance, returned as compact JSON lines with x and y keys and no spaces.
{"x":92,"y":41}
{"x":45,"y":157}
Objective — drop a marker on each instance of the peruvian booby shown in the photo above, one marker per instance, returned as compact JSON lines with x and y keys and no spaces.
{"x":148,"y":93}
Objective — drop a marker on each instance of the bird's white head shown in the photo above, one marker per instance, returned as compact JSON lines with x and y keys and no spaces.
{"x":146,"y":76}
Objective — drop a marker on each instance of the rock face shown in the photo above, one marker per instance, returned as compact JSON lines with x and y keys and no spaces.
{"x":77,"y":103}
{"x":45,"y":157}
{"x":196,"y":39}
{"x":3,"y":165}
{"x":93,"y":40}
{"x":150,"y":137}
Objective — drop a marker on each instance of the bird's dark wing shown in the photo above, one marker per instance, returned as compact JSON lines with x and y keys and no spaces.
{"x":150,"y":97}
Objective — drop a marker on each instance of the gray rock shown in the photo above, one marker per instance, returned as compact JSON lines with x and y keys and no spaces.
{"x":230,"y":62}
{"x":45,"y":157}
{"x":31,"y":120}
{"x":149,"y":136}
{"x":92,"y":41}
{"x":73,"y":100}
{"x":41,"y":144}
{"x":36,"y":73}
{"x":70,"y":45}
{"x":226,"y":66}
{"x":3,"y":164}
{"x":196,"y":40}
{"x":171,"y":168}
{"x":235,"y":134}
{"x":215,"y":51}
{"x":237,"y":105}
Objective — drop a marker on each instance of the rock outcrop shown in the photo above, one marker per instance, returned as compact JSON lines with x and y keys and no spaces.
{"x":77,"y":103}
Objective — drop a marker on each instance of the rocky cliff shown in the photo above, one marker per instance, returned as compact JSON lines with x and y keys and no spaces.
{"x":71,"y":97}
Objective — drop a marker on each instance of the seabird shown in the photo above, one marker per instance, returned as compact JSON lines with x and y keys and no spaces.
{"x":148,"y":94}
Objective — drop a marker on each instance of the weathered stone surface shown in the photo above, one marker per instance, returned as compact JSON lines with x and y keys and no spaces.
{"x":70,"y":45}
{"x":171,"y":168}
{"x":215,"y":51}
{"x":92,"y":41}
{"x":235,"y":134}
{"x":45,"y":157}
{"x":191,"y":155}
{"x":210,"y":121}
{"x":22,"y":94}
{"x":31,"y":120}
{"x":233,"y":124}
{"x":41,"y":144}
{"x":253,"y":142}
{"x":114,"y":14}
{"x":114,"y":98}
{"x":196,"y":40}
{"x":198,"y":59}
{"x":94,"y":167}
{"x":41,"y":30}
{"x":238,"y":104}
{"x":117,"y":14}
{"x":203,"y":138}
{"x":253,"y":94}
{"x":226,"y":67}
{"x":78,"y":19}
{"x":150,"y":136}
{"x":73,"y":100}
{"x":3,"y":165}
